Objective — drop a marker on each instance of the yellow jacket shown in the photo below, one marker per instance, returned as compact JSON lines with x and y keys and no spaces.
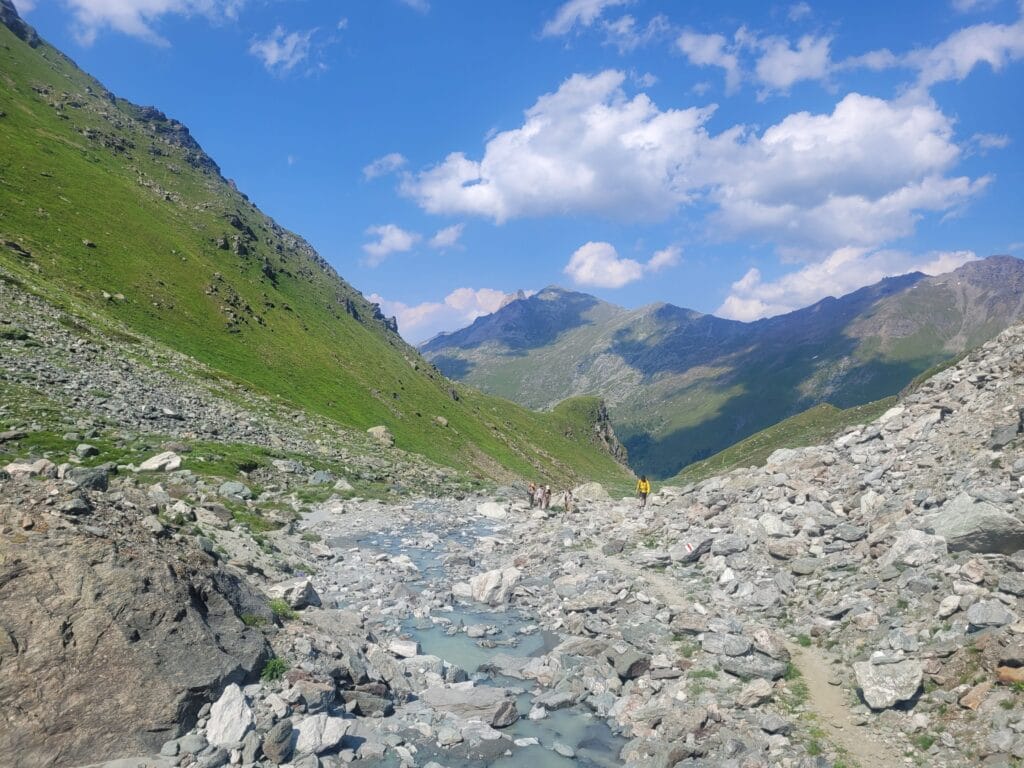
{"x":643,"y":486}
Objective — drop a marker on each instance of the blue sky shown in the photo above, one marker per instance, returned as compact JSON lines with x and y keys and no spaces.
{"x":740,"y":158}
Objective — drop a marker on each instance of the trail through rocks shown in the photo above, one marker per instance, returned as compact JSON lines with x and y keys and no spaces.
{"x":826,"y":703}
{"x":829,"y":703}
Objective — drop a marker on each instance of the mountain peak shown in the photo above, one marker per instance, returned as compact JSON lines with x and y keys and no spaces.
{"x":10,"y":18}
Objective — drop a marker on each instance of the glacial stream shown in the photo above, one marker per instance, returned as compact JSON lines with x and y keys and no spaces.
{"x":505,"y":631}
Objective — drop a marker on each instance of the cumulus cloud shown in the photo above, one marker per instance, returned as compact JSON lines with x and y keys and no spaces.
{"x":419,"y":322}
{"x":599,"y":265}
{"x":282,"y":51}
{"x":447,"y":237}
{"x":987,"y":141}
{"x":781,"y":64}
{"x":969,"y":6}
{"x":956,"y":57}
{"x":389,"y":239}
{"x":575,"y":13}
{"x":25,"y":6}
{"x":585,"y":148}
{"x":858,"y":176}
{"x":138,"y":17}
{"x":845,"y":270}
{"x":711,"y":51}
{"x":384,"y":165}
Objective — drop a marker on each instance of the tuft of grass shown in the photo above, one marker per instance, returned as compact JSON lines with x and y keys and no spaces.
{"x":924,"y":742}
{"x":274,"y":669}
{"x":253,"y":620}
{"x":280,"y":608}
{"x":804,"y":641}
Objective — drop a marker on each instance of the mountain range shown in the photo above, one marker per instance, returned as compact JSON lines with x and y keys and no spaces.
{"x":681,"y":385}
{"x":114,"y":212}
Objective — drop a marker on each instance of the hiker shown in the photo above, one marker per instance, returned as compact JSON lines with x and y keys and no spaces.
{"x":643,"y":487}
{"x":547,"y":497}
{"x":531,"y":491}
{"x":567,"y":502}
{"x":538,"y":496}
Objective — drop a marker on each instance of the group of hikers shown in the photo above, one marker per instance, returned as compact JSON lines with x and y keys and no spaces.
{"x":539,"y":495}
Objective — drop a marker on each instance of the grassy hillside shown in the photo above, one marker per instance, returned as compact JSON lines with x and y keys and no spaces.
{"x":812,"y":427}
{"x":114,"y":212}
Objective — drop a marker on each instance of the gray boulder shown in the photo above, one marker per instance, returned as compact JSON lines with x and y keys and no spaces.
{"x":978,"y":526}
{"x":885,"y":685}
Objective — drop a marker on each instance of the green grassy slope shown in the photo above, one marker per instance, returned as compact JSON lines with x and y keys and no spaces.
{"x":811,"y":427}
{"x":112,"y":209}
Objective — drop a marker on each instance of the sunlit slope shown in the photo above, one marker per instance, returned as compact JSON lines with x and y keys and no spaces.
{"x":113,"y":208}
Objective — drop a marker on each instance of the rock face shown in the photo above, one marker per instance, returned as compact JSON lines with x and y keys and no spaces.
{"x":885,"y":685}
{"x":148,"y":627}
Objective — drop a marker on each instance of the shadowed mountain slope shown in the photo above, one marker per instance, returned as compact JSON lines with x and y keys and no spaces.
{"x":682,"y":385}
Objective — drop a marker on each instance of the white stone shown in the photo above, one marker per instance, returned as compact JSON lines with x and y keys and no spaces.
{"x":320,"y":733}
{"x":230,"y":718}
{"x":885,"y":685}
{"x":494,"y":587}
{"x":32,"y":468}
{"x":404,"y":649}
{"x":492,"y":510}
{"x":168,"y":461}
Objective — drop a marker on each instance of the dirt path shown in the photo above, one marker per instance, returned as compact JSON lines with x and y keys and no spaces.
{"x":827,"y":703}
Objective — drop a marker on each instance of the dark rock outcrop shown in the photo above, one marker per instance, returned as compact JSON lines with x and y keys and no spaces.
{"x":9,"y":18}
{"x":111,"y":640}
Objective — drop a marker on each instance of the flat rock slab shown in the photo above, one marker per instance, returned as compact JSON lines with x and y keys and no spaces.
{"x":466,"y":700}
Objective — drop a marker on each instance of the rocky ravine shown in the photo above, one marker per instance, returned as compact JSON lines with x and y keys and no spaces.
{"x":850,"y":604}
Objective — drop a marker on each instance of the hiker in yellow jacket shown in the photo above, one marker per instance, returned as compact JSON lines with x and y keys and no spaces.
{"x":643,"y":487}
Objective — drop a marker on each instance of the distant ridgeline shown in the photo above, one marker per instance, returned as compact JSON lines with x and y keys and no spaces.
{"x":681,"y":385}
{"x":115,"y":212}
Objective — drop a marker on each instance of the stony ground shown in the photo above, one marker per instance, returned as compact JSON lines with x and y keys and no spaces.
{"x":855,"y":603}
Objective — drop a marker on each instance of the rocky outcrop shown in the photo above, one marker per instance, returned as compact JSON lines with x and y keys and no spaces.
{"x":112,"y":639}
{"x":9,"y":18}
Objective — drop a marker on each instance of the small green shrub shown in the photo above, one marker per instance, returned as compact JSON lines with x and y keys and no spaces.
{"x":252,"y":620}
{"x":804,"y":641}
{"x":310,"y":536}
{"x":274,"y":669}
{"x":280,"y":608}
{"x":924,"y":742}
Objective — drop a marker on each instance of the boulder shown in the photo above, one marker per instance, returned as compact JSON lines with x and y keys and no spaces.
{"x":382,"y":435}
{"x":298,"y":592}
{"x":466,"y":700}
{"x":691,"y":549}
{"x":492,"y":510}
{"x":230,"y":718}
{"x":989,"y":613}
{"x":138,"y":634}
{"x":494,"y":587}
{"x":506,"y":714}
{"x":168,"y":461}
{"x":27,"y":468}
{"x":320,"y":733}
{"x":627,"y":661}
{"x":914,"y":548}
{"x":978,"y":526}
{"x":885,"y":685}
{"x":590,"y":492}
{"x":404,"y":649}
{"x":753,"y":665}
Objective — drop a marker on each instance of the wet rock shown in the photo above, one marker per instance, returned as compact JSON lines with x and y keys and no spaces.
{"x":506,"y":714}
{"x":466,"y":700}
{"x":494,"y":587}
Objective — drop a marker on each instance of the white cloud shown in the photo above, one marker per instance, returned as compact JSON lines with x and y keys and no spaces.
{"x":987,"y":141}
{"x":845,"y":270}
{"x":585,"y":148}
{"x":781,"y":65}
{"x":422,"y":6}
{"x":25,"y":6}
{"x":799,"y":11}
{"x":711,"y":51}
{"x":419,"y":322}
{"x":384,"y":165}
{"x":600,"y":266}
{"x":282,"y":51}
{"x":577,"y":12}
{"x":138,"y":17}
{"x":447,"y":237}
{"x":877,"y":61}
{"x":860,"y":176}
{"x":390,"y":239}
{"x":625,"y":35}
{"x":665,"y":258}
{"x":955,"y":58}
